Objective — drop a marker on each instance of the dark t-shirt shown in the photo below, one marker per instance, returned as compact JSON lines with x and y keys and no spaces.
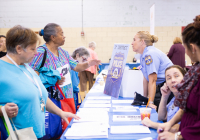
{"x":2,"y":54}
{"x":177,"y":55}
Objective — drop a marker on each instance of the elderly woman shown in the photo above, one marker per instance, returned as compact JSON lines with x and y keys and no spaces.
{"x":21,"y":88}
{"x":188,"y":96}
{"x":90,"y":72}
{"x":153,"y":64}
{"x":81,"y":55}
{"x":57,"y":58}
{"x":177,"y":53}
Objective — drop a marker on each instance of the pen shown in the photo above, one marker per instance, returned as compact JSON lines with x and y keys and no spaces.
{"x":161,"y":130}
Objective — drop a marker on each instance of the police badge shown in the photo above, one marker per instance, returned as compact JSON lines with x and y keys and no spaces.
{"x":148,"y":59}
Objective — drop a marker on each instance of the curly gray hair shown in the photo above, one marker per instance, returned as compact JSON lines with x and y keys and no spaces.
{"x":81,"y":51}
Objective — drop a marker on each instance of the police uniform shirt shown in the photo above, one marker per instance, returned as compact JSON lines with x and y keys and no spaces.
{"x":154,"y":61}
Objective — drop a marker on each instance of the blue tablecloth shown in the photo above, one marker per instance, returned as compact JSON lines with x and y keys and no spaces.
{"x":154,"y":117}
{"x":105,"y":66}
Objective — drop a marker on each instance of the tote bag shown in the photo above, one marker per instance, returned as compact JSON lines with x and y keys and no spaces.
{"x":67,"y":105}
{"x":22,"y":134}
{"x":53,"y":125}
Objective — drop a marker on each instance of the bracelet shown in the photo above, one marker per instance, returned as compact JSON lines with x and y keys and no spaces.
{"x":177,"y":135}
{"x":151,"y":102}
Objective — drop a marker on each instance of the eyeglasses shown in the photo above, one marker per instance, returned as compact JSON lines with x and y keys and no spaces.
{"x":84,"y":59}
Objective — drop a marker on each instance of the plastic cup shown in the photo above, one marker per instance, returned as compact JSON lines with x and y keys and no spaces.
{"x":104,"y":78}
{"x":101,"y":83}
{"x":145,"y":112}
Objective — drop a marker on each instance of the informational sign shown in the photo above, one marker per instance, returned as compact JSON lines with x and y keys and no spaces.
{"x":64,"y":71}
{"x":152,"y":19}
{"x":116,"y":69}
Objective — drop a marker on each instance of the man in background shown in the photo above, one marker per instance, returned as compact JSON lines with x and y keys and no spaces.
{"x":3,"y":50}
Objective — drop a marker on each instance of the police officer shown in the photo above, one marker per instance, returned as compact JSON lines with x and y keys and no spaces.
{"x":153,"y":64}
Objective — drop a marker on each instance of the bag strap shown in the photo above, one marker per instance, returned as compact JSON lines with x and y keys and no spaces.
{"x":12,"y":134}
{"x":60,"y":90}
{"x":44,"y":57}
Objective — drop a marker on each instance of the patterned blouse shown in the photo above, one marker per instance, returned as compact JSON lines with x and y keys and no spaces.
{"x":54,"y":62}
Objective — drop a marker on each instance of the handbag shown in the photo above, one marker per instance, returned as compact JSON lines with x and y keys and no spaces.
{"x":18,"y":134}
{"x":139,"y":99}
{"x":67,"y":105}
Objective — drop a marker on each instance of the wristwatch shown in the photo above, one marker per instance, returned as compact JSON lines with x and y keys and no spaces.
{"x":177,"y":135}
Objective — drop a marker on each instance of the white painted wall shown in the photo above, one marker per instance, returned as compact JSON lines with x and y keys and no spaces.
{"x":96,"y":13}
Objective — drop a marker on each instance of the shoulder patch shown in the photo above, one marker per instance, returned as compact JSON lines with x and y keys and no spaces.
{"x":148,"y":59}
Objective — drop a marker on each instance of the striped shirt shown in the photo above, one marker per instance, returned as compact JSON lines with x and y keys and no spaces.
{"x":54,"y":62}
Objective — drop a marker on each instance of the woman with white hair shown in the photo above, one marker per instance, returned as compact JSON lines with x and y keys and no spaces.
{"x":81,"y":55}
{"x":90,"y":72}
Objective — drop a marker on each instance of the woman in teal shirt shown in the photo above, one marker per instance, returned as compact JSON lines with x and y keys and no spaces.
{"x":20,"y":85}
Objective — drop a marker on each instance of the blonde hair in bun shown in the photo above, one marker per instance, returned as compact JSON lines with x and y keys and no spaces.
{"x":154,"y":39}
{"x":147,"y":37}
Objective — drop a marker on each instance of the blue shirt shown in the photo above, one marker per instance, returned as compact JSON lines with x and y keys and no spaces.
{"x":153,"y":60}
{"x":17,"y":88}
{"x":171,"y":109}
{"x":75,"y":81}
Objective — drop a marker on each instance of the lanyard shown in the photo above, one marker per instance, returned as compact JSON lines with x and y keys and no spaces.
{"x":34,"y":80}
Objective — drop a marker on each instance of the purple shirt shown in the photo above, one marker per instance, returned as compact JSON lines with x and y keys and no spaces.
{"x":190,"y":122}
{"x":177,"y":54}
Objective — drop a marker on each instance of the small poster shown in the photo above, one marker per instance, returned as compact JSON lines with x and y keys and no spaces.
{"x":64,"y":71}
{"x":116,"y":69}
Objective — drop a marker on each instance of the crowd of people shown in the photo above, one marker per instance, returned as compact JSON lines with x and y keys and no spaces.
{"x":174,"y":93}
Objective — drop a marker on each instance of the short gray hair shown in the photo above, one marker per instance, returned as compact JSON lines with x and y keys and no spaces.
{"x":92,"y":44}
{"x":81,"y":51}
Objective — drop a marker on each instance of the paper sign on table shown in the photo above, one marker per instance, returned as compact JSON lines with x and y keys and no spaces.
{"x":97,"y":105}
{"x":124,"y":107}
{"x":89,"y":131}
{"x":122,"y":110}
{"x":116,"y":69}
{"x":97,"y":102}
{"x":90,"y":124}
{"x":99,"y":97}
{"x":129,"y":129}
{"x":91,"y":118}
{"x":122,"y":101}
{"x":93,"y":109}
{"x":126,"y":118}
{"x":148,"y":138}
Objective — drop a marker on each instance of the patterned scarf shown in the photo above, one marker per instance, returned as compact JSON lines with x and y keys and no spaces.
{"x":189,"y":81}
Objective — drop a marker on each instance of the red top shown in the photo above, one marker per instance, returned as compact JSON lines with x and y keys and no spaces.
{"x":190,"y":122}
{"x":177,"y":54}
{"x":93,"y":55}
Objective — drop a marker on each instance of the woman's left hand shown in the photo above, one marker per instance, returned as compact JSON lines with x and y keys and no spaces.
{"x":94,"y":62}
{"x":166,"y":136}
{"x":66,"y":115}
